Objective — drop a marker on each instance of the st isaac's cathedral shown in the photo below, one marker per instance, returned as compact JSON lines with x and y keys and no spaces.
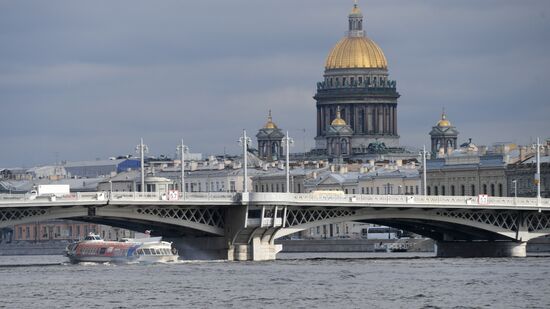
{"x":356,"y":103}
{"x":357,"y":95}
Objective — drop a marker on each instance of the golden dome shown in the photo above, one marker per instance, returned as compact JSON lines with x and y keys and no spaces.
{"x":356,"y":10}
{"x":338,"y":121}
{"x":270,"y":124}
{"x":356,"y":52}
{"x":443,"y":122}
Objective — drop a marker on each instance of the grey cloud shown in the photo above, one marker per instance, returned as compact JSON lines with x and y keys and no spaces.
{"x":87,"y":79}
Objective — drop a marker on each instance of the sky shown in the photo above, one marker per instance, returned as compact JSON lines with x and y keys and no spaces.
{"x":81,"y":80}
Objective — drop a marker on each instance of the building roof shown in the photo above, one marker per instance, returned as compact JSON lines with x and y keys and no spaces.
{"x":94,"y":163}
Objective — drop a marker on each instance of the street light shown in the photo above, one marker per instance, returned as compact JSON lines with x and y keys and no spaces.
{"x":244,"y":141}
{"x":538,"y":146}
{"x":423,"y":153}
{"x":515,"y":182}
{"x":110,"y":189}
{"x":182,"y":148}
{"x":288,"y":141}
{"x":142,"y":149}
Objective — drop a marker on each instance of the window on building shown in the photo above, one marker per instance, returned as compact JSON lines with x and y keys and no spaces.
{"x":232,"y":186}
{"x":442,"y":190}
{"x":500,"y":193}
{"x":277,"y":188}
{"x":377,"y":190}
{"x":484,"y":189}
{"x":416,"y":190}
{"x":452,"y":190}
{"x":436,"y":190}
{"x":299,"y":188}
{"x":353,"y":191}
{"x":346,"y":190}
{"x":473,"y":190}
{"x":363,"y":190}
{"x":462,"y":190}
{"x":492,"y":189}
{"x":429,"y":191}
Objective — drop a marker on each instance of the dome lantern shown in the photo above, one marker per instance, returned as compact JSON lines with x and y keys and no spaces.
{"x":356,"y":51}
{"x":270,"y":124}
{"x":338,"y":121}
{"x":443,"y":122}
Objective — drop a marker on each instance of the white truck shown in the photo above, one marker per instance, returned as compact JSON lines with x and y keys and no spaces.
{"x":51,"y":190}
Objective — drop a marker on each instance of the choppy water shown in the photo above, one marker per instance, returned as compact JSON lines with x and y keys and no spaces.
{"x":297,"y":281}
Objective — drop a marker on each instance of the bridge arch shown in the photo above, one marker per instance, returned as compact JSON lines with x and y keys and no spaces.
{"x":461,"y":224}
{"x":178,"y":219}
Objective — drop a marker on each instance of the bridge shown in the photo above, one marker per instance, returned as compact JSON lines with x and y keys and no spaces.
{"x":244,"y":226}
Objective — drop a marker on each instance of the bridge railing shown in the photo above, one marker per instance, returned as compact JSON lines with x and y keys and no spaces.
{"x":261,"y":197}
{"x":404,"y":199}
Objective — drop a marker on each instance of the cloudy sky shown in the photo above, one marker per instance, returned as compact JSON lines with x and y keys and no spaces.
{"x":81,"y":80}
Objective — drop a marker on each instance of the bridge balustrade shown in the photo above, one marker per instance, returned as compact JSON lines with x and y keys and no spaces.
{"x":322,"y":199}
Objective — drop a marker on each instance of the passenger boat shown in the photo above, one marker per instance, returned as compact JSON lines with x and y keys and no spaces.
{"x":95,"y":249}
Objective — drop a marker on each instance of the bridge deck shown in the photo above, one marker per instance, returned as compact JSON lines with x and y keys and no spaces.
{"x":286,"y":199}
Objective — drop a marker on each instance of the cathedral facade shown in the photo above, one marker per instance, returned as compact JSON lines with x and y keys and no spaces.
{"x":357,"y":87}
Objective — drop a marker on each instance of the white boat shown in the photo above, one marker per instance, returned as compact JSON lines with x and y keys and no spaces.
{"x":95,"y":249}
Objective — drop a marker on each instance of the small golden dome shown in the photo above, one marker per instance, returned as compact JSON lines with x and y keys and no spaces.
{"x":338,"y":121}
{"x":356,"y":52}
{"x":270,"y":124}
{"x":355,"y":10}
{"x":443,"y":122}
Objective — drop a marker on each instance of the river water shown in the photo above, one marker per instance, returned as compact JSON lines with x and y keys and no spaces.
{"x":335,"y":280}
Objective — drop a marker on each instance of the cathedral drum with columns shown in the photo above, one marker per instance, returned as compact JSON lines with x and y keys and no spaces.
{"x":356,"y":83}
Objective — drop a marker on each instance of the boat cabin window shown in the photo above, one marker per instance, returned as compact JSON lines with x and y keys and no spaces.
{"x":102,"y":250}
{"x":147,"y":251}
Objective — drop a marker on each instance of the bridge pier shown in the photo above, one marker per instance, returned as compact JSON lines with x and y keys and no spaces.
{"x":481,"y":249}
{"x":256,"y":250}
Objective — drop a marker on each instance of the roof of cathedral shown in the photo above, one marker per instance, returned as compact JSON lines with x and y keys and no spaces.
{"x":270,"y":124}
{"x":356,"y":51}
{"x":338,"y":121}
{"x":356,"y":10}
{"x":443,"y":122}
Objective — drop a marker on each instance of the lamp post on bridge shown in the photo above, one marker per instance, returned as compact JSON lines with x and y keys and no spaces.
{"x":515,"y":182}
{"x":288,"y":141}
{"x":423,"y":153}
{"x":244,"y":141}
{"x":142,"y":149}
{"x":182,"y":148}
{"x":538,"y":146}
{"x":110,"y":189}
